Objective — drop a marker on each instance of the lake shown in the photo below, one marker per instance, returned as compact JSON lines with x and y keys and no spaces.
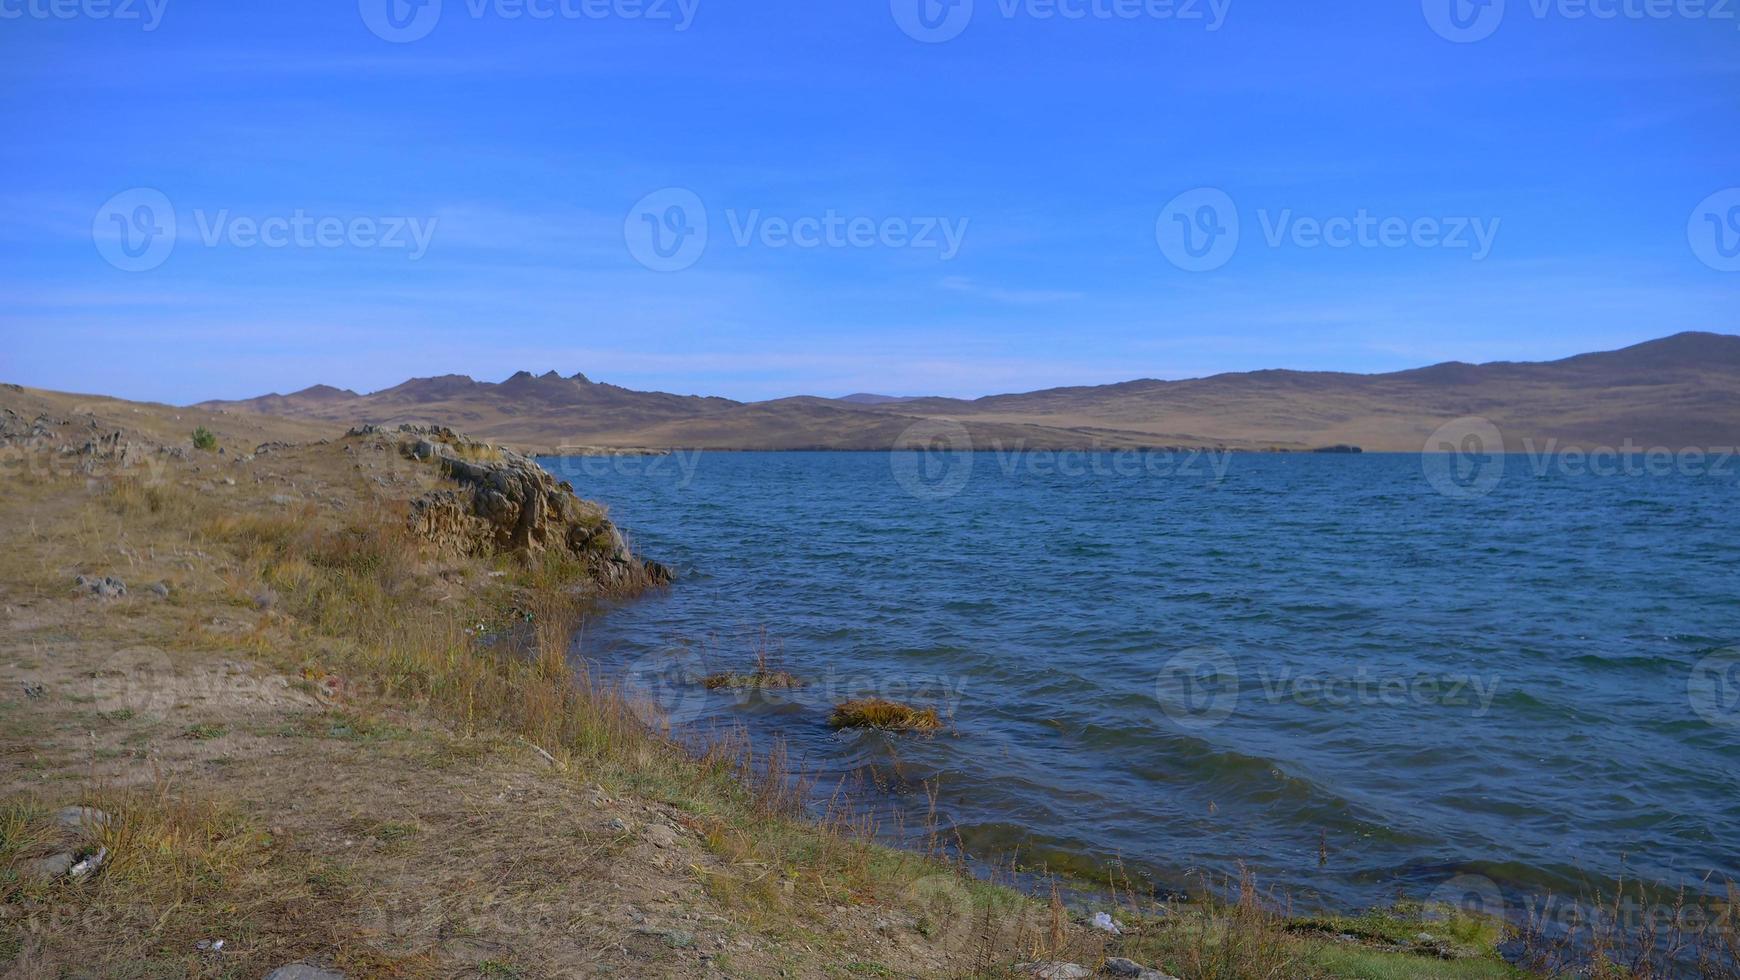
{"x":1358,"y":674}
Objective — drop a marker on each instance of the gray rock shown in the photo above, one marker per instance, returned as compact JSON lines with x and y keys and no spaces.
{"x":265,"y":599}
{"x":161,"y":590}
{"x":81,"y":819}
{"x":106,"y":587}
{"x":302,"y":971}
{"x":47,"y":868}
{"x":1117,"y":966}
{"x":1056,"y":971}
{"x":661,"y":836}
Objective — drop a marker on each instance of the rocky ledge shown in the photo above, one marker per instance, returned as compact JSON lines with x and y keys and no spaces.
{"x":506,"y":503}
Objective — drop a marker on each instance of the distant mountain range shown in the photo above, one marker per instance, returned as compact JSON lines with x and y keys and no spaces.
{"x":1679,"y":391}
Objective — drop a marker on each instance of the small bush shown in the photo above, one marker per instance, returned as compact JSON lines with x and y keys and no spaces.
{"x":888,"y":716}
{"x":204,"y":439}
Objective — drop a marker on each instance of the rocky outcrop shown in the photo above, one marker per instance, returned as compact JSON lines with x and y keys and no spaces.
{"x":506,"y":503}
{"x":67,"y":445}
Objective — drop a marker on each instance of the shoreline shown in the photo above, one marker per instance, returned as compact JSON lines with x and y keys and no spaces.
{"x":284,"y":706}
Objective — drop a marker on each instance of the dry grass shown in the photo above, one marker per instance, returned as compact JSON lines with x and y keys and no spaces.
{"x":884,"y":715}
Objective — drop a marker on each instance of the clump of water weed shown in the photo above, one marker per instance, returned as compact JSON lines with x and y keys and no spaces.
{"x":884,"y":715}
{"x":758,"y":680}
{"x":766,"y":675}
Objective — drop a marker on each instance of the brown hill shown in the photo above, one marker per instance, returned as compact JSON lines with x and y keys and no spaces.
{"x":1679,"y":391}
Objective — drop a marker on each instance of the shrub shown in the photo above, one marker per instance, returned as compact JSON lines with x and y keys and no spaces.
{"x":204,"y":439}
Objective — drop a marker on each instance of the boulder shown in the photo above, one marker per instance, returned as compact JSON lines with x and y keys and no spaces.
{"x":507,"y":504}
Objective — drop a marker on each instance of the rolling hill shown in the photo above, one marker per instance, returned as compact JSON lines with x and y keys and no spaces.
{"x":1678,"y":391}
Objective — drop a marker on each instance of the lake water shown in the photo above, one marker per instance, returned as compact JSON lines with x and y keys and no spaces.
{"x":1345,"y":671}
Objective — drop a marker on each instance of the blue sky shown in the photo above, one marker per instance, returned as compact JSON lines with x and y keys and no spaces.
{"x":526,"y":149}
